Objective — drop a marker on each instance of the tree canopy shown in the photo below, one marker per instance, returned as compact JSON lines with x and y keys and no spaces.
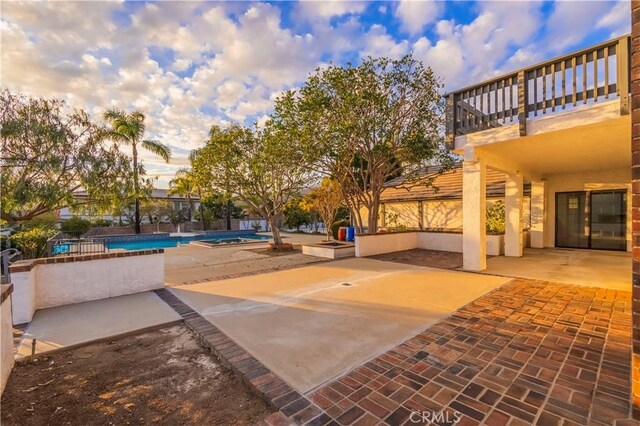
{"x":263,"y":168}
{"x":128,"y":129}
{"x":50,"y":151}
{"x":364,"y":125}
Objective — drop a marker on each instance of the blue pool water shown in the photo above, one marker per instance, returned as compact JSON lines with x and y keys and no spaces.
{"x":170,"y":242}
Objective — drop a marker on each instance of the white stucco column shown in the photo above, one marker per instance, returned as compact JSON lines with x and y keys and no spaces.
{"x":513,"y":194}
{"x":536,"y":232}
{"x":474,"y":214}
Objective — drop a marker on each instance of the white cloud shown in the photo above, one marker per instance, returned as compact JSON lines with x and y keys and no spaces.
{"x":326,"y":9}
{"x":618,"y":20}
{"x":415,"y":15}
{"x":379,"y":43}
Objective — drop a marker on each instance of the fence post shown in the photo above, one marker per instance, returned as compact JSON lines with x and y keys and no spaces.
{"x":622,"y":59}
{"x":450,"y":114}
{"x":522,"y":102}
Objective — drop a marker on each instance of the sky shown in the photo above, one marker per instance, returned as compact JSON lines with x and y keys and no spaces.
{"x":189,"y":65}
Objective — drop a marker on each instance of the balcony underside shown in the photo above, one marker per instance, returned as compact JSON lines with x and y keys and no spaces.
{"x":593,"y":138}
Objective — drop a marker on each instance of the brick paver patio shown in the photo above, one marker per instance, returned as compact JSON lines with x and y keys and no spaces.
{"x":529,"y":352}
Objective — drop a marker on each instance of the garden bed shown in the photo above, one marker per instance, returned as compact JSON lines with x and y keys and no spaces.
{"x":161,"y":376}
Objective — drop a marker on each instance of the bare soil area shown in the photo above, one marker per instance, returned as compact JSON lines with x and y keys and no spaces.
{"x":162,"y":377}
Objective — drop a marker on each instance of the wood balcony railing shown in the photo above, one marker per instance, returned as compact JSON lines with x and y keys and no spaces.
{"x":591,"y":75}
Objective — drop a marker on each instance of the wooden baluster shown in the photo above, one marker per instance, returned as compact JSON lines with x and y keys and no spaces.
{"x":503,"y":83}
{"x":584,"y":78}
{"x":553,"y":87}
{"x":606,"y":72}
{"x":622,"y":83}
{"x":573,"y":95}
{"x":564,"y":84}
{"x":522,"y":102}
{"x":595,"y":76}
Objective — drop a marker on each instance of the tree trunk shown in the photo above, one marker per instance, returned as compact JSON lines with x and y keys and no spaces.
{"x":373,"y":217}
{"x":277,"y":239}
{"x":204,"y":224}
{"x":228,"y":214}
{"x":136,"y":188}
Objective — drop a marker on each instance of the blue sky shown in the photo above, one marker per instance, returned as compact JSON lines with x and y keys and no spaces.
{"x":189,"y":65}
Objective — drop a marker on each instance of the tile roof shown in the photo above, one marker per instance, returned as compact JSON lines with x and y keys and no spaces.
{"x":447,"y":186}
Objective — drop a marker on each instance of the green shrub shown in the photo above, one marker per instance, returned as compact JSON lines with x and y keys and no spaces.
{"x":495,"y":218}
{"x":336,"y":225}
{"x":45,"y":221}
{"x":101,"y":223}
{"x":32,"y":242}
{"x":75,"y":225}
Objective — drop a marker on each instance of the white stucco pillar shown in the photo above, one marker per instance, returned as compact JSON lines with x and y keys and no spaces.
{"x":513,"y":236}
{"x":474,"y":214}
{"x":536,"y":232}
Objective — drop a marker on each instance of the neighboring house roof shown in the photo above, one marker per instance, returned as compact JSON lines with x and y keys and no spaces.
{"x":447,"y":186}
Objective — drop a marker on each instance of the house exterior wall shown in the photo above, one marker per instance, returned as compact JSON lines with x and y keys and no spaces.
{"x":6,"y":337}
{"x":583,"y":181}
{"x":436,"y":214}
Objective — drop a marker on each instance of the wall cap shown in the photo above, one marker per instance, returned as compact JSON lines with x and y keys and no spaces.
{"x":424,"y":231}
{"x":27,"y":265}
{"x":7,"y":289}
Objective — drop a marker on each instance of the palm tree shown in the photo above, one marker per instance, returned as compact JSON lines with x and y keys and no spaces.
{"x":183,"y":184}
{"x":128,"y":128}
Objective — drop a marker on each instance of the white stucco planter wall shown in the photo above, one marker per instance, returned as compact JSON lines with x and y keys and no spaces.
{"x":6,"y":338}
{"x":370,"y":245}
{"x":46,"y":283}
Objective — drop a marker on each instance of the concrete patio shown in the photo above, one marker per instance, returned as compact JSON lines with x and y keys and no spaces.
{"x":311,"y":324}
{"x":72,"y":325}
{"x":593,"y":268}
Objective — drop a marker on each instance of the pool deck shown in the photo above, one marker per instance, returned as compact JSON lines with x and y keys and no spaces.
{"x":193,"y":263}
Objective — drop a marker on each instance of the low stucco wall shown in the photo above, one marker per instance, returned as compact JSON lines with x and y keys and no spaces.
{"x":45,"y":283}
{"x":6,"y":337}
{"x":370,"y":245}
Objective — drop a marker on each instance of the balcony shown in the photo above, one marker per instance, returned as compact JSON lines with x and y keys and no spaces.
{"x":587,"y":86}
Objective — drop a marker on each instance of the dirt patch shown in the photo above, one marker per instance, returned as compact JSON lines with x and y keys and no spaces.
{"x":161,"y":376}
{"x":267,"y":251}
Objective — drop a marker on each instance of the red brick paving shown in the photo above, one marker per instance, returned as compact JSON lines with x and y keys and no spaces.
{"x":530,"y":352}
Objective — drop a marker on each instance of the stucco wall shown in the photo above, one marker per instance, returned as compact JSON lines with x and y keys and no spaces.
{"x":371,"y":245}
{"x":48,"y":284}
{"x":437,"y":214}
{"x":6,"y":342}
{"x":585,"y":181}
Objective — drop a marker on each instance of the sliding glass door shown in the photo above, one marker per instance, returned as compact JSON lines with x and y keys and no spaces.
{"x":592,"y":219}
{"x":609,"y":220}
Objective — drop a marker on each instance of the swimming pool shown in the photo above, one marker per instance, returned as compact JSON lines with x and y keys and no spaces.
{"x":170,"y":242}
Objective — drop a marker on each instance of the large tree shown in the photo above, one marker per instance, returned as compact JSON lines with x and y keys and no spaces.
{"x":128,"y":129}
{"x":326,"y":199}
{"x":50,"y":153}
{"x":367,"y":124}
{"x":260,"y":167}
